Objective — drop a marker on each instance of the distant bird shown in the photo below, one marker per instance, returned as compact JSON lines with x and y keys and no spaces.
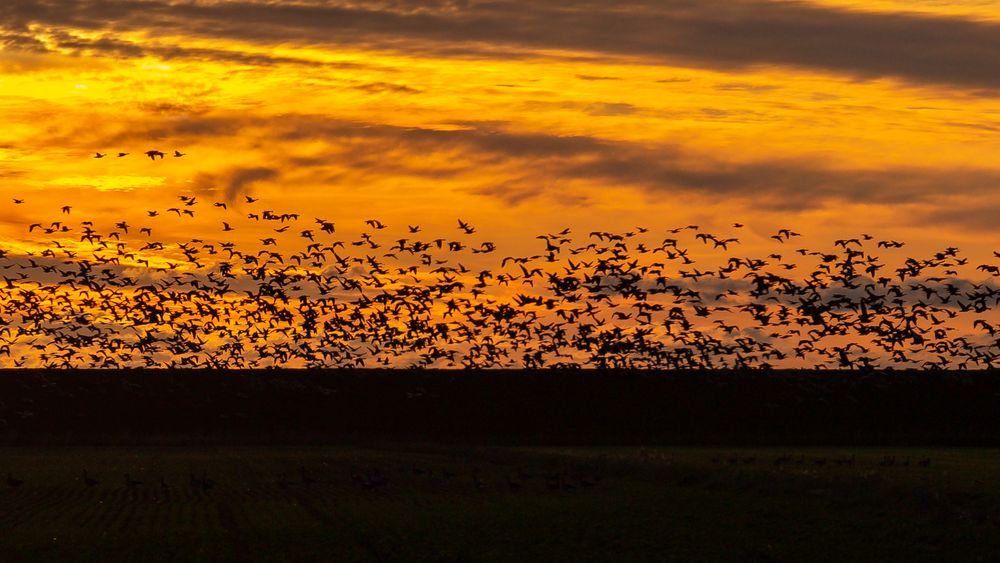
{"x":88,"y":480}
{"x":121,"y":154}
{"x":99,"y":155}
{"x":512,"y":483}
{"x":18,"y":201}
{"x":12,"y":482}
{"x":250,"y":199}
{"x":153,"y":154}
{"x":307,"y":479}
{"x":282,"y":481}
{"x":178,"y":154}
{"x":226,"y":227}
{"x":207,"y":483}
{"x":66,"y":209}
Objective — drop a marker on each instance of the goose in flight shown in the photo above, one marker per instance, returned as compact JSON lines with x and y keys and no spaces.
{"x":153,"y":154}
{"x":99,"y":155}
{"x":469,"y":229}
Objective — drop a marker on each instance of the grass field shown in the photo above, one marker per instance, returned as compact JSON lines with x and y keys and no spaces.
{"x":499,"y":504}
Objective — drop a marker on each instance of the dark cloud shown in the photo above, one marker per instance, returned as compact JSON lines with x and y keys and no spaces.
{"x":170,"y":108}
{"x":722,"y":34}
{"x":77,"y":45}
{"x":742,"y":87}
{"x":233,"y":183}
{"x":600,"y":109}
{"x":535,"y":162}
{"x":974,"y":216}
{"x":384,"y":87}
{"x":21,"y":42}
{"x":590,"y":77}
{"x":611,"y":109}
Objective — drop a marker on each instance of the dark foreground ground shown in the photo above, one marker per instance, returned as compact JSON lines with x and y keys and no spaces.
{"x":317,"y":466}
{"x":499,"y":504}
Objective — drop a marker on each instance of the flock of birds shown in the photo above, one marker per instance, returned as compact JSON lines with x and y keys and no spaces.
{"x":301,"y":294}
{"x":152,"y":154}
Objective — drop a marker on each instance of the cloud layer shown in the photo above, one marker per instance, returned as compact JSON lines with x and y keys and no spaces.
{"x":721,"y":34}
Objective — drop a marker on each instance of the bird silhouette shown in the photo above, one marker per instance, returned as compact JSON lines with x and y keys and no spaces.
{"x":13,"y":482}
{"x":89,"y":481}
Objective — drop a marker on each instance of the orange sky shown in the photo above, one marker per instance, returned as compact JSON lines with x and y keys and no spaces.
{"x":831,"y":117}
{"x":521,"y":116}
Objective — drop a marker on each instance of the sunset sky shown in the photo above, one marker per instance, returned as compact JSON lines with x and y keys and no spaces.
{"x":834,"y":117}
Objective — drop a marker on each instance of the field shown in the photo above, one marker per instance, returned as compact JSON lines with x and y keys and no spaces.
{"x":499,"y":504}
{"x":499,"y":466}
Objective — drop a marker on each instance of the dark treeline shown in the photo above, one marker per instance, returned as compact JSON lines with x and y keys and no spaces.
{"x":499,"y":407}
